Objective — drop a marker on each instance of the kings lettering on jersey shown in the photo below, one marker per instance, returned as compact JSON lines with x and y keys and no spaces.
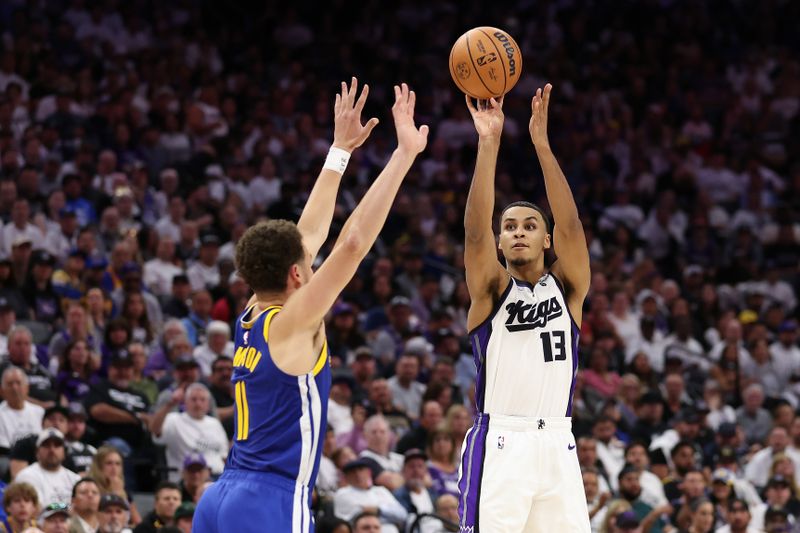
{"x":523,"y":316}
{"x":246,"y":358}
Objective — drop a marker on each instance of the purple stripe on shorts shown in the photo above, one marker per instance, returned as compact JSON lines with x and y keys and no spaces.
{"x":575,"y":336}
{"x":469,"y":485}
{"x":480,"y":343}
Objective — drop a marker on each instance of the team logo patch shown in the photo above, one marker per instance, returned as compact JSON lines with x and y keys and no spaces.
{"x":501,"y":442}
{"x":246,"y":337}
{"x":541,"y":424}
{"x":524,"y":316}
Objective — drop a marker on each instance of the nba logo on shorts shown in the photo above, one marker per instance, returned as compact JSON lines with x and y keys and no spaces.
{"x":501,"y":442}
{"x":246,"y":337}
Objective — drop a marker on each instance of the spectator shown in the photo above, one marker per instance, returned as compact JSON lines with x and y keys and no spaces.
{"x":107,"y":471}
{"x":177,"y":304}
{"x":417,"y":437}
{"x":194,"y":476}
{"x":113,"y":515}
{"x":738,"y":517}
{"x":167,"y":501}
{"x":441,"y":466}
{"x":199,"y":317}
{"x":758,"y":468}
{"x":360,"y":495}
{"x":18,"y":416}
{"x":80,"y":452}
{"x":53,"y":482}
{"x":406,"y":390}
{"x":204,"y":273}
{"x":76,"y":372}
{"x":367,"y":522}
{"x":23,"y":452}
{"x":702,"y":516}
{"x":185,"y":371}
{"x":379,"y":437}
{"x":183,"y":517}
{"x":54,"y":518}
{"x":116,"y":412}
{"x":182,"y":433}
{"x":416,"y":495}
{"x":218,"y":343}
{"x":339,"y":406}
{"x":221,"y":388}
{"x":777,"y":495}
{"x":40,"y":383}
{"x":41,"y":296}
{"x":595,"y":500}
{"x":21,"y":502}
{"x":85,"y":507}
{"x":140,"y":383}
{"x":160,"y":271}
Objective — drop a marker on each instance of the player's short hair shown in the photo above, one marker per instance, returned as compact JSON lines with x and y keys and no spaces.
{"x":20,"y":491}
{"x":81,"y":482}
{"x":266,"y":252}
{"x":532,"y":206}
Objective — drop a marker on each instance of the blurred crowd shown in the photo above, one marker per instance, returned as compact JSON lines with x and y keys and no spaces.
{"x":139,"y":140}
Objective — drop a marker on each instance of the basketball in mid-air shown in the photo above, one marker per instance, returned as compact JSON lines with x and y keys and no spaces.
{"x":485,"y":62}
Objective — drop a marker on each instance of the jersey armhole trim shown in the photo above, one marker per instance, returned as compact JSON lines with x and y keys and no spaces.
{"x":495,"y":308}
{"x":268,"y":319}
{"x":566,"y":301}
{"x":322,"y":359}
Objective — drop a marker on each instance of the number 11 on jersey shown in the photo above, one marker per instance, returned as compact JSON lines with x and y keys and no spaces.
{"x":242,"y":412}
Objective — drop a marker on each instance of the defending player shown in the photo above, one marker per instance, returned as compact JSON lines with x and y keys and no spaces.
{"x":519,"y":470}
{"x":281,"y":371}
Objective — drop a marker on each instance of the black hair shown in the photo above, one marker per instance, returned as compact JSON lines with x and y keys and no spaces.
{"x":81,"y":482}
{"x":532,"y":206}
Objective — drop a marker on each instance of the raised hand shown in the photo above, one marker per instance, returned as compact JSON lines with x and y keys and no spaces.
{"x":488,"y":117}
{"x":409,"y":138}
{"x":538,"y":123}
{"x":348,"y":132}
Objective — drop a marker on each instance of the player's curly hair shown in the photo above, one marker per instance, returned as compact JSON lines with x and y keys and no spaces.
{"x":266,"y":252}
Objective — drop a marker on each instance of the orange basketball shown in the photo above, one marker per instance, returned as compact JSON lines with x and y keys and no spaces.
{"x":485,"y":62}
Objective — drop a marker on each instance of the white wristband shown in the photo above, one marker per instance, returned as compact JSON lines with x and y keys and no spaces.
{"x":337,"y":160}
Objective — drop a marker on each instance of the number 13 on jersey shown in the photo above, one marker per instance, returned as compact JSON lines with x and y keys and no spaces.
{"x":555,"y":345}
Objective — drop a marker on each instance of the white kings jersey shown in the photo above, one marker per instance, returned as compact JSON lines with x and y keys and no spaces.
{"x":526,"y":352}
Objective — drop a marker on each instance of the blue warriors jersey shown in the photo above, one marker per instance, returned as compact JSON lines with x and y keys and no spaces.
{"x":279,"y":419}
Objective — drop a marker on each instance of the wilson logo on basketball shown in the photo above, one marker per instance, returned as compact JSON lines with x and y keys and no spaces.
{"x":523,"y":317}
{"x":512,"y":66}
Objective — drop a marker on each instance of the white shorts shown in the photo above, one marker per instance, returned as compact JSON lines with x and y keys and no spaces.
{"x":521,"y":474}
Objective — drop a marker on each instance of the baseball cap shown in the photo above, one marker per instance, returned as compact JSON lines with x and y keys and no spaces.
{"x":787,"y":325}
{"x":364,"y":352}
{"x":186,"y":360}
{"x":209,"y":239}
{"x":184,"y":510}
{"x":21,"y":239}
{"x":96,"y":261}
{"x":193,"y":459}
{"x":342,"y":308}
{"x":130,"y":267}
{"x":343,"y":376}
{"x":77,"y":252}
{"x":122,"y":358}
{"x":778,"y":480}
{"x":418,"y":346}
{"x":627,"y":469}
{"x":627,"y":520}
{"x":399,"y":300}
{"x":692,"y":270}
{"x":722,"y":475}
{"x":54,"y":509}
{"x":76,"y":410}
{"x":68,"y":211}
{"x":49,"y":434}
{"x":727,"y":430}
{"x":56,"y":409}
{"x":650,"y":397}
{"x":42,"y":257}
{"x":111,"y":499}
{"x":361,"y":462}
{"x":414,"y":453}
{"x":688,"y":416}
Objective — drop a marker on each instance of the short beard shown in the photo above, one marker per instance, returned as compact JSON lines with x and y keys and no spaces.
{"x":521,"y":262}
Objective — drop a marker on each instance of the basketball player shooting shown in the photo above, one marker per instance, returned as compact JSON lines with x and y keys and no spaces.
{"x":519,"y":469}
{"x":281,"y":372}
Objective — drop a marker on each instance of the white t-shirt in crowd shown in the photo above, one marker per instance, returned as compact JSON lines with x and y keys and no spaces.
{"x":182,"y":434}
{"x":52,"y":487}
{"x":18,"y":423}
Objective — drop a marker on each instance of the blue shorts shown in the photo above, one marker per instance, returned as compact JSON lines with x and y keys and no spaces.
{"x":254,"y":502}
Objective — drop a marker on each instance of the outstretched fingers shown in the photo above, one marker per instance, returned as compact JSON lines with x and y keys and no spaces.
{"x":362,"y":100}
